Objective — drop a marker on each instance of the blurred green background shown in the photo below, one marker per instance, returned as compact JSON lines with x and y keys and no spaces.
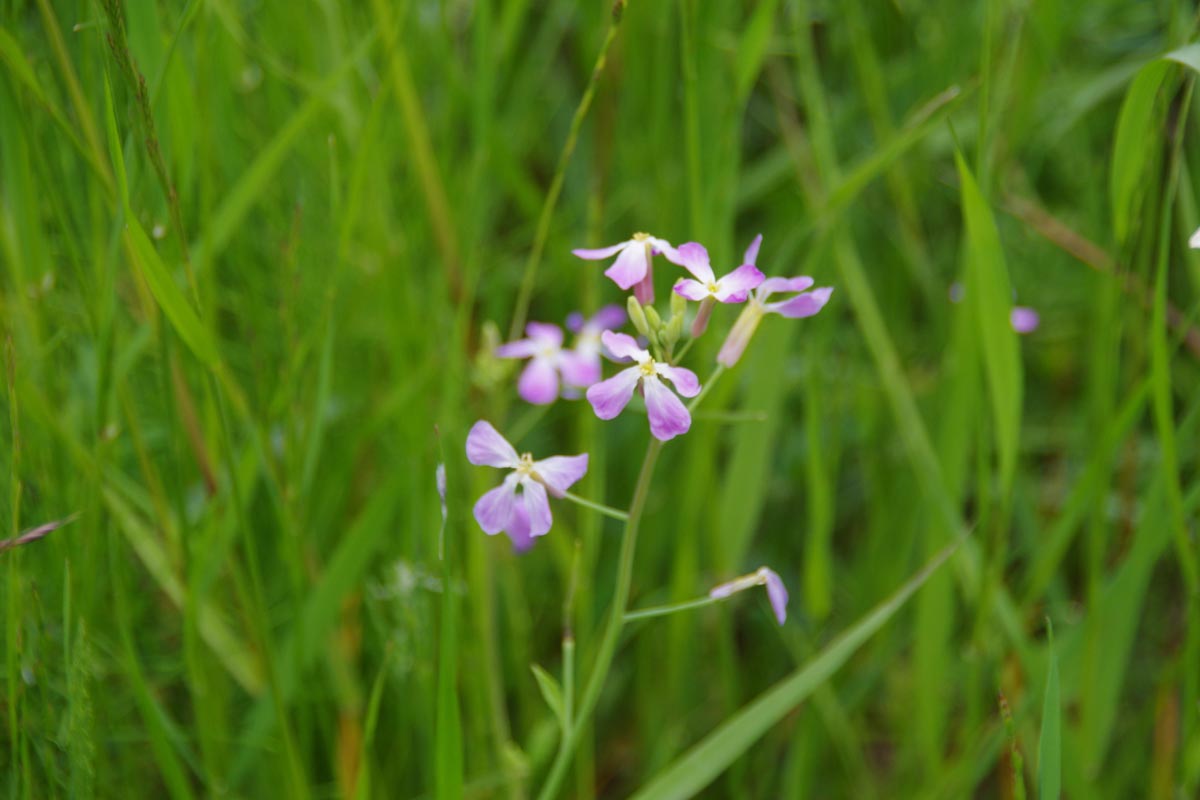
{"x":235,"y":363}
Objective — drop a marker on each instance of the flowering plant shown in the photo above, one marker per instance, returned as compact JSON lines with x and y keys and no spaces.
{"x":649,"y":366}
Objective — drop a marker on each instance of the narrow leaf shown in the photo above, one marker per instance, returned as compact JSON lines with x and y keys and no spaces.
{"x":551,"y":693}
{"x":1050,"y":743}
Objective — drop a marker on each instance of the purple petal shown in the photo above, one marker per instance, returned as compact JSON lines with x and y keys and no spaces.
{"x":560,"y":472}
{"x":486,"y":447}
{"x":773,"y":285}
{"x":622,"y":345}
{"x":735,"y":287}
{"x":539,"y":382}
{"x":574,"y":322}
{"x":661,"y":247}
{"x":777,"y":594}
{"x":608,"y":318}
{"x":544,"y":333}
{"x":538,"y":507}
{"x":803,"y":305}
{"x":518,"y":529}
{"x":1024,"y":319}
{"x":692,"y":290}
{"x":579,"y":369}
{"x":694,"y":258}
{"x":751,"y":256}
{"x":668,"y":416}
{"x":521,"y":348}
{"x":686,"y":382}
{"x":643,"y":290}
{"x":494,"y":509}
{"x":600,"y":252}
{"x":609,"y":398}
{"x":630,"y":266}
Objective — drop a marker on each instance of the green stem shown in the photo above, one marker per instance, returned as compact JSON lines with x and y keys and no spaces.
{"x":707,"y":385}
{"x":607,"y":511}
{"x":662,"y":611}
{"x":612,"y":633}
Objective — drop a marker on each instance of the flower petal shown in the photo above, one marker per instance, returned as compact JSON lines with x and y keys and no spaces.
{"x":692,"y":290}
{"x":739,"y":335}
{"x":539,"y":382}
{"x":686,"y":382}
{"x":538,"y":507}
{"x":494,"y":510}
{"x":575,"y":322}
{"x":622,"y":345}
{"x":735,"y":287}
{"x":560,"y":472}
{"x":662,"y":247}
{"x":630,"y":266}
{"x":609,"y":398}
{"x":521,"y":348}
{"x":486,"y":447}
{"x":668,"y":416}
{"x":751,"y":256}
{"x":1024,"y":319}
{"x":694,"y":258}
{"x":518,"y":529}
{"x":544,"y":333}
{"x":776,"y":593}
{"x":773,"y":285}
{"x":579,"y":369}
{"x":600,"y":252}
{"x":802,"y":305}
{"x":608,"y":318}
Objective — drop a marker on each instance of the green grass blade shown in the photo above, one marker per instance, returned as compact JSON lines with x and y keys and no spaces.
{"x":1050,"y":741}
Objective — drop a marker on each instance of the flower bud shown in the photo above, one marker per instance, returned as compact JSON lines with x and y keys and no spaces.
{"x":673,"y":330}
{"x":637,"y":316}
{"x":656,"y":323}
{"x":678,"y":304}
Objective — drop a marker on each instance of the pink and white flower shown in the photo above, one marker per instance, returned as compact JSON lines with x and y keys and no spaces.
{"x":588,"y":347}
{"x":633,"y":267}
{"x":763,"y":576}
{"x":706,"y":288}
{"x":526,"y":515}
{"x":539,"y":381}
{"x":668,"y":415}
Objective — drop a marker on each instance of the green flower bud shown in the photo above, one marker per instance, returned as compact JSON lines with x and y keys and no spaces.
{"x":637,"y":316}
{"x":656,"y":323}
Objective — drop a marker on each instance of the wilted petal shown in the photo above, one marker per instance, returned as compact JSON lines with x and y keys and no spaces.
{"x":630,"y":266}
{"x":608,"y":318}
{"x":668,"y":416}
{"x":538,"y":507}
{"x":521,"y":348}
{"x":1024,"y":319}
{"x":751,"y":256}
{"x":774,"y":285}
{"x":692,"y":290}
{"x":609,"y":398}
{"x":494,"y":509}
{"x":486,"y":447}
{"x":776,"y":593}
{"x":560,"y":472}
{"x":578,"y":369}
{"x":539,"y":382}
{"x":600,"y":252}
{"x":735,"y":287}
{"x":622,"y":345}
{"x":686,"y":382}
{"x":694,"y":258}
{"x":803,"y":305}
{"x":518,"y":529}
{"x":545,"y":333}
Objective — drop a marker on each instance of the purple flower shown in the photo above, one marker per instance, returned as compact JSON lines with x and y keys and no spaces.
{"x":538,"y":383}
{"x":668,"y":416}
{"x":733,"y":288}
{"x":764,"y":576}
{"x":588,"y":346}
{"x":801,"y":304}
{"x":633,"y":265}
{"x":526,"y":515}
{"x":1024,"y":319}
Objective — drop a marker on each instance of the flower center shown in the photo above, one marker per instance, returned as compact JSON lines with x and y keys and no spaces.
{"x":641,"y":237}
{"x":647,"y":367}
{"x":525,"y":467}
{"x":711,"y":287}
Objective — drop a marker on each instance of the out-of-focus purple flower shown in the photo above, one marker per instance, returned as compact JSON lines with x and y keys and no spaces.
{"x":763,"y":576}
{"x":440,"y":479}
{"x":526,"y":515}
{"x":588,"y":347}
{"x":1194,"y":242}
{"x":538,"y":383}
{"x":668,"y":416}
{"x":706,"y":288}
{"x":633,"y":267}
{"x":1024,"y":319}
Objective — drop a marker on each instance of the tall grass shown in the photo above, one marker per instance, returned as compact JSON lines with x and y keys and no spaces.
{"x":252,"y":259}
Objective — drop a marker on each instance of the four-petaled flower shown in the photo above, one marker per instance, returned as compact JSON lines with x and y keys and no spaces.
{"x":588,"y":346}
{"x":707,"y":288}
{"x":633,"y":265}
{"x":763,"y":576}
{"x":802,"y":303}
{"x":526,"y":515}
{"x":668,"y":416}
{"x":539,"y":380}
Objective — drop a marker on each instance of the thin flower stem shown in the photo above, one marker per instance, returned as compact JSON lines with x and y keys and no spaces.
{"x":677,"y":357}
{"x":607,"y":511}
{"x":612,"y":633}
{"x":708,"y":384}
{"x":662,"y":611}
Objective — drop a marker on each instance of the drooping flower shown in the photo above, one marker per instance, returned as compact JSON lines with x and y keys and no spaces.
{"x":538,"y":383}
{"x":1024,"y":319}
{"x":668,"y":416}
{"x":525,"y":515}
{"x":763,"y":576}
{"x":633,"y":267}
{"x":706,"y":288}
{"x":801,"y":304}
{"x":588,"y":346}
